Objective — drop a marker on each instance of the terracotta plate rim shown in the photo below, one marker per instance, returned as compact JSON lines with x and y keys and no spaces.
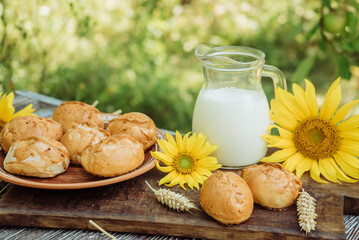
{"x":14,"y":179}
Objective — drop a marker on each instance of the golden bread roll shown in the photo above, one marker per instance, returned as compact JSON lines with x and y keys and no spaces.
{"x":138,"y":125}
{"x":41,"y":157}
{"x":226,"y":197}
{"x":72,"y":113}
{"x":273,"y":186}
{"x":26,"y":126}
{"x":79,"y":137}
{"x":113,"y":156}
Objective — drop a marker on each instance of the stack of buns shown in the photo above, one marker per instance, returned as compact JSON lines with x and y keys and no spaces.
{"x":44,"y":147}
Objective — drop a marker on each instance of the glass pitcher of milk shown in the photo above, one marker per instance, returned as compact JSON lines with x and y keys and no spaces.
{"x":231,"y":108}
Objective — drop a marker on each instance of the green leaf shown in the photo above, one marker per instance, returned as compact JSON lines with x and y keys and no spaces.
{"x":312,"y":31}
{"x":343,"y":66}
{"x":322,"y":44}
{"x":303,"y":69}
{"x":352,"y":24}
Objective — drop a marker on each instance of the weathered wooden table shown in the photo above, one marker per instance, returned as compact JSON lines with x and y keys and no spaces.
{"x":46,"y":105}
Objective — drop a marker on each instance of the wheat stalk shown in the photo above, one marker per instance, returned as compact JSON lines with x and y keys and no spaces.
{"x":306,"y":211}
{"x":95,"y":103}
{"x":102,"y":230}
{"x":173,"y":200}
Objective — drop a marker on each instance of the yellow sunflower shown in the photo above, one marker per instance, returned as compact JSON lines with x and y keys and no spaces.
{"x":322,"y":143}
{"x":187,"y":160}
{"x":7,"y":110}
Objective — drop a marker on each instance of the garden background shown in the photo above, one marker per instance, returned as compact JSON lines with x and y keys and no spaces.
{"x":138,"y":55}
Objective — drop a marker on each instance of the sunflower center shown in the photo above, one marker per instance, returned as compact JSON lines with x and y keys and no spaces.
{"x":317,"y":138}
{"x":184,"y":164}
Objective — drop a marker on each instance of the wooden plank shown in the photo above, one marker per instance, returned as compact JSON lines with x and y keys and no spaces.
{"x":131,"y":207}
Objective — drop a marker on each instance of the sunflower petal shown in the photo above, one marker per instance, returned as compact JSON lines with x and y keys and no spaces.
{"x":282,"y":132}
{"x":351,"y":135}
{"x":315,"y":172}
{"x":163,"y":145}
{"x":288,"y":100}
{"x":191,"y":182}
{"x":168,"y":178}
{"x":283,"y":122}
{"x":331,"y":100}
{"x":303,"y":166}
{"x":280,"y":156}
{"x":210,"y":163}
{"x":311,"y":98}
{"x":198,"y":146}
{"x":162,"y":157}
{"x":198,"y":177}
{"x":163,"y":169}
{"x":206,"y":150}
{"x":28,"y":110}
{"x":343,"y":111}
{"x":179,"y":141}
{"x":292,"y":162}
{"x":278,"y":142}
{"x":6,"y":108}
{"x":350,"y":159}
{"x":350,"y":147}
{"x":189,"y":144}
{"x":340,"y":174}
{"x":179,"y":178}
{"x":299,"y":95}
{"x":349,"y":124}
{"x":328,"y":170}
{"x":171,"y":144}
{"x":346,"y":167}
{"x":203,"y":171}
{"x":282,"y":113}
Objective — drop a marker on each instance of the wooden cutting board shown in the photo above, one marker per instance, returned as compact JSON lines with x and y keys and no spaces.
{"x":130,"y":206}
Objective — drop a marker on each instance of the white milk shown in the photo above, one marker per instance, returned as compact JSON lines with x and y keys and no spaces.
{"x":235,"y":120}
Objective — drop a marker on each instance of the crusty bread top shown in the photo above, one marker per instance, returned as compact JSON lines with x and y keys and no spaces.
{"x":226,"y":197}
{"x":138,"y":125}
{"x":27,"y":126}
{"x":37,"y":157}
{"x":72,"y":113}
{"x":273,"y":186}
{"x":113,"y":156}
{"x":79,"y":137}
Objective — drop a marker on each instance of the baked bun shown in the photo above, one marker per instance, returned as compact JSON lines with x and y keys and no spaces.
{"x":138,"y":125}
{"x":113,"y":156}
{"x":77,"y":138}
{"x":273,"y":186}
{"x":37,"y":157}
{"x":72,"y":113}
{"x":226,"y":197}
{"x":26,"y":126}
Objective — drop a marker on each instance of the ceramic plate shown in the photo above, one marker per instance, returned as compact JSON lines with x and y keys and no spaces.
{"x":76,"y":177}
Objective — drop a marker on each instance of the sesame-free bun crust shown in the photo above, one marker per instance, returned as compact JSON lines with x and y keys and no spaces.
{"x":113,"y":156}
{"x":26,"y":126}
{"x":79,"y":137}
{"x":41,"y":157}
{"x":136,"y":124}
{"x":226,"y":197}
{"x":72,"y":113}
{"x":273,"y":186}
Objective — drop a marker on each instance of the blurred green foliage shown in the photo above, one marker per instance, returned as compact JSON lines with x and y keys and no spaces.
{"x":138,"y":55}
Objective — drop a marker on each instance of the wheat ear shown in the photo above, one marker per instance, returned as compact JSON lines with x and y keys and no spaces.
{"x":306,"y":211}
{"x":173,"y":200}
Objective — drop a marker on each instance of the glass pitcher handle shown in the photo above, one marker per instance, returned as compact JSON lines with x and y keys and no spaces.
{"x":276,"y":75}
